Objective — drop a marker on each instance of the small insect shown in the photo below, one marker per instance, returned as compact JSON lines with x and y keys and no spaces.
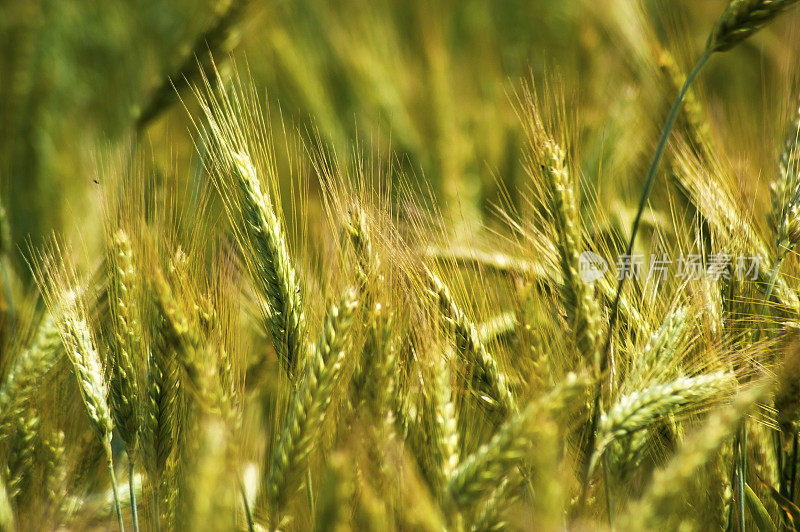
{"x":96,"y":182}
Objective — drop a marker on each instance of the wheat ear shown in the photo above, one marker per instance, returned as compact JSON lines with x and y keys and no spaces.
{"x":511,"y":266}
{"x":182,"y":334}
{"x":124,"y":384}
{"x":275,"y":274}
{"x":309,"y":405}
{"x":367,"y":260}
{"x":77,"y":338}
{"x":6,"y":510}
{"x":160,"y":410}
{"x":660,"y":350}
{"x":499,"y":326}
{"x":27,"y":371}
{"x":489,"y":517}
{"x":55,"y":470}
{"x":785,"y":193}
{"x":741,"y":19}
{"x":162,"y":397}
{"x":578,"y":296}
{"x":669,"y":482}
{"x":638,"y":410}
{"x":19,"y":461}
{"x":785,"y":212}
{"x":373,"y":353}
{"x":446,"y":423}
{"x":489,"y":381}
{"x":479,"y":472}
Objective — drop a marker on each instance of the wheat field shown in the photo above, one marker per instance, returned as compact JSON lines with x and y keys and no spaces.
{"x":389,"y":265}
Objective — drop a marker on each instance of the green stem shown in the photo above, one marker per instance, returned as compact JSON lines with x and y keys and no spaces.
{"x":4,"y":265}
{"x":131,"y":488}
{"x":310,"y":491}
{"x":740,"y":477}
{"x":793,"y":466}
{"x":110,"y":462}
{"x":156,"y":508}
{"x":606,"y":482}
{"x":648,"y":185}
{"x":247,"y":512}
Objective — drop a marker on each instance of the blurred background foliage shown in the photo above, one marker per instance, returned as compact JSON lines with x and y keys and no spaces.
{"x":426,"y":85}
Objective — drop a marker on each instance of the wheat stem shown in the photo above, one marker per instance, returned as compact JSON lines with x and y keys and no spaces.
{"x":6,"y":511}
{"x":132,"y":490}
{"x":113,"y":476}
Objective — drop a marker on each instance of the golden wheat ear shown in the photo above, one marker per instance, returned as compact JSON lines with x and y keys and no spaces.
{"x":309,"y":405}
{"x":668,"y":484}
{"x":241,"y":157}
{"x":469,"y":482}
{"x":27,"y":371}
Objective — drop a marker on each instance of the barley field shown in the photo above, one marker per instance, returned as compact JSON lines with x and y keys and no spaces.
{"x":465,"y":265}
